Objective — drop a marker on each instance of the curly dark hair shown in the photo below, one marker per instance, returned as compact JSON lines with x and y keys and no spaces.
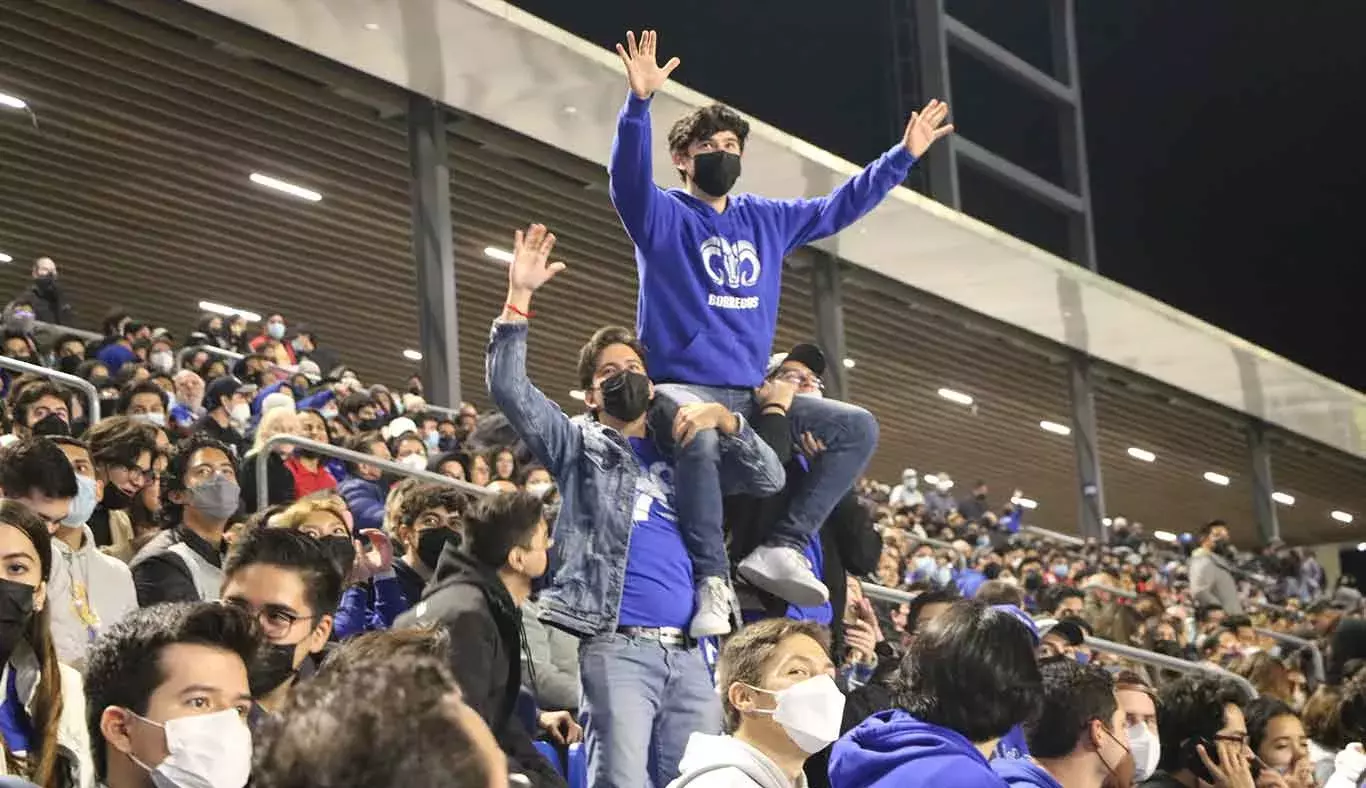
{"x":1189,"y":709}
{"x":602,"y":339}
{"x":173,"y":480}
{"x":704,"y":123}
{"x":428,"y":496}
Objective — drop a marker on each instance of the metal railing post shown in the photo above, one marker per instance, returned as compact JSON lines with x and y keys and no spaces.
{"x":1315,"y":654}
{"x":92,"y":413}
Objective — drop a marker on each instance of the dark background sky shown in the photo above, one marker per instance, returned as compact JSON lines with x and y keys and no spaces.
{"x":1224,"y":136}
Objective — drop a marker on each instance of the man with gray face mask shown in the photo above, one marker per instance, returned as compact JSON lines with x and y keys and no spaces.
{"x":199,"y":494}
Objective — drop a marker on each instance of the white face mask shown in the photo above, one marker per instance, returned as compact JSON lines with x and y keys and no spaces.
{"x":809,"y":711}
{"x":539,"y":489}
{"x":206,"y":751}
{"x":155,"y":419}
{"x":414,"y":461}
{"x":1147,"y":751}
{"x":240,"y":413}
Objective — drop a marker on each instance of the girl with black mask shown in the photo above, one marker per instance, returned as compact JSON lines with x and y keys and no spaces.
{"x":45,"y":739}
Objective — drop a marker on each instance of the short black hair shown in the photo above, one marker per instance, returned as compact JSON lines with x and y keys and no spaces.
{"x":36,"y":464}
{"x":388,"y":721}
{"x":29,"y":396}
{"x":1057,"y":594}
{"x":1189,"y":709}
{"x":124,"y":666}
{"x":353,"y":402}
{"x":119,"y":441}
{"x":602,"y":339}
{"x":294,"y":550}
{"x":934,"y":596}
{"x":972,"y":670}
{"x":704,"y":123}
{"x":999,"y":592}
{"x":178,"y":466}
{"x":364,"y":443}
{"x":1073,"y":695}
{"x":499,"y":523}
{"x":134,"y":389}
{"x":1202,"y":612}
{"x":1210,"y":526}
{"x":1259,"y":714}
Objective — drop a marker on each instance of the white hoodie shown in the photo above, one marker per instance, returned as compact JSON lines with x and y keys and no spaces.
{"x":726,"y":762}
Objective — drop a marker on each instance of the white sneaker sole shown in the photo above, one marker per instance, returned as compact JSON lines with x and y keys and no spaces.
{"x":704,"y":630}
{"x":786,"y":587}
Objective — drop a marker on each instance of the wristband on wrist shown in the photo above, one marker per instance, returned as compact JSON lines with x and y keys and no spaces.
{"x":527,"y":315}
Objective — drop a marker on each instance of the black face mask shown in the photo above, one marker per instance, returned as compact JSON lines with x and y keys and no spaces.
{"x":370,"y":425}
{"x":16,"y":611}
{"x":273,"y":666}
{"x":432,"y":542}
{"x":626,"y":395}
{"x":115,"y":499}
{"x":69,"y":364}
{"x":341,"y":550}
{"x":51,"y":424}
{"x":715,"y":172}
{"x":45,"y":285}
{"x":1033,"y":581}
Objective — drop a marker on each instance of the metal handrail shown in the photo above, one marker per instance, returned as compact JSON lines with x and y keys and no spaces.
{"x":885,"y":594}
{"x":1120,"y":592}
{"x":212,"y":350}
{"x":53,"y":328}
{"x":454,"y":413}
{"x":92,"y":413}
{"x":261,"y":456}
{"x":1315,"y":654}
{"x":1146,"y":657}
{"x":1054,"y":535}
{"x":939,"y":543}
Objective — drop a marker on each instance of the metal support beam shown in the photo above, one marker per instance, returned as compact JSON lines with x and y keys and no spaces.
{"x":1084,"y":436}
{"x":1263,"y":508}
{"x":1007,"y":63}
{"x":1076,"y":176}
{"x":827,"y":297}
{"x":1018,"y":177}
{"x":933,"y":49}
{"x":434,"y":250}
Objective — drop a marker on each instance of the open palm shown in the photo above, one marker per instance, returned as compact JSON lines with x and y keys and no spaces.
{"x":926,"y":126}
{"x":643,"y":71}
{"x":530,"y":253}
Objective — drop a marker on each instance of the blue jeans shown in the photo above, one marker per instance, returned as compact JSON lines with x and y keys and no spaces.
{"x":642,"y":701}
{"x":702,"y":473}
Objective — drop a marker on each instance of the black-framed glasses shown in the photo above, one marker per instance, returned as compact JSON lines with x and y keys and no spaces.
{"x":276,"y":620}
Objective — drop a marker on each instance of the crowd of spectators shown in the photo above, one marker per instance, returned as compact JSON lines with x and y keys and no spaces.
{"x":689,"y":584}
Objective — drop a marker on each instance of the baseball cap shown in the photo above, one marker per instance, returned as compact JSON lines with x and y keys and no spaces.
{"x":1022,"y":617}
{"x":1073,"y":630}
{"x":805,"y":353}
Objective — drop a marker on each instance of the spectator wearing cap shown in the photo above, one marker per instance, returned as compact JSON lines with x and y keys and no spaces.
{"x":227,"y":412}
{"x":1063,"y":637}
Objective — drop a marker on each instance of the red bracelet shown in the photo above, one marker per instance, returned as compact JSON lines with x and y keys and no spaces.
{"x":514,"y":310}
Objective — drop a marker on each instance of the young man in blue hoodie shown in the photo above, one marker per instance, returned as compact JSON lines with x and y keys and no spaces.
{"x":1078,"y":738}
{"x":710,"y":268}
{"x":969,"y":676}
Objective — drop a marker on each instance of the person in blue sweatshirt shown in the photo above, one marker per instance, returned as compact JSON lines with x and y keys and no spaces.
{"x":969,"y":676}
{"x":710,"y":268}
{"x":1078,"y":738}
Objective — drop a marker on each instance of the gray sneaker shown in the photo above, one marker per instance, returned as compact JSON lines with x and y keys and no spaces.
{"x":715,"y":605}
{"x":785,"y":573}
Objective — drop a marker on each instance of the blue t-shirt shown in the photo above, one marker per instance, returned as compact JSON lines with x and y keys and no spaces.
{"x":658,"y":591}
{"x":15,"y":725}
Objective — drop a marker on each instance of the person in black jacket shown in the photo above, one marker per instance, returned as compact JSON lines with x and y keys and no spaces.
{"x":475,"y":593}
{"x":49,"y":304}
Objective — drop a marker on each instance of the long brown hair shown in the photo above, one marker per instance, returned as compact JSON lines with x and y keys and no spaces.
{"x":47,"y":701}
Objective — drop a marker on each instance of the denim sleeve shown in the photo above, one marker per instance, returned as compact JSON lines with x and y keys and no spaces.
{"x":765,"y":472}
{"x":545,"y":428}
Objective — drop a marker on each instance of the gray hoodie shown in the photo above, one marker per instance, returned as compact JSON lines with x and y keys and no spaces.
{"x":1212,"y":582}
{"x":726,"y":762}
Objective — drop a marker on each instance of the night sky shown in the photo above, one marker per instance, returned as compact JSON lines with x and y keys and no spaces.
{"x":1224,"y":137}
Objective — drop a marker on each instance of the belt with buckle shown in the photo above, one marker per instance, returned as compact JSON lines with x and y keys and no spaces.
{"x":668,"y":636}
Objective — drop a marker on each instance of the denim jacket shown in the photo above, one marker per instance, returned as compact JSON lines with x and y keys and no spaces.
{"x":596,"y":471}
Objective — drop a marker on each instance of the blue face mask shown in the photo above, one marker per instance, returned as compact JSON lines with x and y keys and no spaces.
{"x":944,"y":576}
{"x":1060,"y":571}
{"x":433,"y":441}
{"x":1083,"y":657}
{"x":924,"y":564}
{"x":83,"y":505}
{"x":276,"y":330}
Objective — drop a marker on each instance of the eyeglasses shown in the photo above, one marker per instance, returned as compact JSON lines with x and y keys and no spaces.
{"x":139,"y":476}
{"x":801,"y":379}
{"x":276,"y":620}
{"x":1239,"y":739}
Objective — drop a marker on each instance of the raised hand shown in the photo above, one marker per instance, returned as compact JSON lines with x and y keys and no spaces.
{"x":530,"y":252}
{"x":643,"y":71}
{"x":925,"y":127}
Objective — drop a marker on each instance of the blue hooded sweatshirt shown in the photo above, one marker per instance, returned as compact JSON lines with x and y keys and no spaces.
{"x":1021,"y":773}
{"x":710,"y":282}
{"x":892,"y":749}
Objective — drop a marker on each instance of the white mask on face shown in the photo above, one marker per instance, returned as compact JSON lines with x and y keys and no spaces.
{"x":206,"y":751}
{"x":1147,"y":751}
{"x":240,"y":413}
{"x":414,"y":461}
{"x":539,"y":489}
{"x":809,"y":711}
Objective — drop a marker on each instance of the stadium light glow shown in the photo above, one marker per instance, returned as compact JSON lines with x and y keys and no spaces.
{"x":576,"y":394}
{"x":1284,"y":498}
{"x":229,"y":311}
{"x":1025,"y":503}
{"x":501,"y":255}
{"x":848,"y":363}
{"x":1164,"y":536}
{"x":1361,"y":547}
{"x":955,"y":396}
{"x":931,"y":478}
{"x":1342,"y":517}
{"x":1055,"y":428}
{"x":13,"y":102}
{"x":412,"y":355}
{"x":286,"y":187}
{"x":1141,"y":454}
{"x":1216,"y":478}
{"x":1106,"y":521}
{"x":4,"y":258}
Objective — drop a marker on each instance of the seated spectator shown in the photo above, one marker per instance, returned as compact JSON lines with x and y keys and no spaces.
{"x":41,"y":409}
{"x":143,"y":401}
{"x":501,"y":486}
{"x":365,"y":488}
{"x":291,"y":586}
{"x":279,"y":481}
{"x":188,"y":406}
{"x":166,"y":692}
{"x":399,"y":721}
{"x":1077,"y":738}
{"x":408,"y":449}
{"x":475,"y":594}
{"x":451,"y":464}
{"x":1203,"y":734}
{"x":969,"y":676}
{"x":480,"y":472}
{"x":779,"y":706}
{"x":42,"y":716}
{"x":227,"y":412}
{"x":309,"y":469}
{"x":361,"y":413}
{"x":505,"y":465}
{"x":89,"y":591}
{"x":1063,"y":638}
{"x":1065,"y":602}
{"x":1139,"y":703}
{"x":199,"y":494}
{"x":119,"y":350}
{"x":36,"y":473}
{"x":1277,"y":738}
{"x":552,"y":657}
{"x":124,"y":453}
{"x":537,"y":480}
{"x":430,"y":517}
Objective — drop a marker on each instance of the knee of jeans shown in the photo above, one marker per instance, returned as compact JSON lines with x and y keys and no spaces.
{"x":862,"y":428}
{"x":704,"y":445}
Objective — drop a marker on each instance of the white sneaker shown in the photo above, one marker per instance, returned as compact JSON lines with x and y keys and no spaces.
{"x":714,"y":608}
{"x":785,"y":573}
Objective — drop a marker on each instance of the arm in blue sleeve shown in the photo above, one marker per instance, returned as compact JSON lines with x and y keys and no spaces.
{"x":390,"y":602}
{"x":367,"y":508}
{"x":546,"y":429}
{"x":639,"y":202}
{"x":353,"y":614}
{"x":316,"y":401}
{"x":813,"y":219}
